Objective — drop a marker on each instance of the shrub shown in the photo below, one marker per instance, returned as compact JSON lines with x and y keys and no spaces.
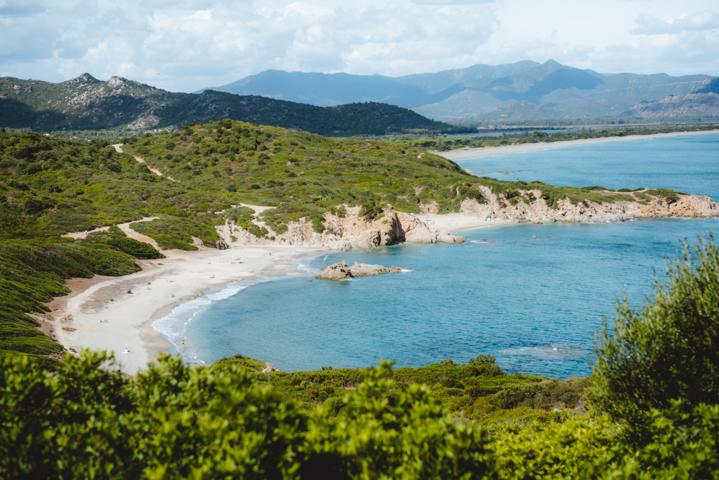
{"x":668,"y":350}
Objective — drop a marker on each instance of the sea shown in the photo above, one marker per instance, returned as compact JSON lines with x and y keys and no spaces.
{"x":534,"y":296}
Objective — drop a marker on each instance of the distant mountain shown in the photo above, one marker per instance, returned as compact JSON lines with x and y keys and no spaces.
{"x":88,"y":103}
{"x":712,"y":86}
{"x":328,"y":89}
{"x":702,"y":104}
{"x":519,"y":92}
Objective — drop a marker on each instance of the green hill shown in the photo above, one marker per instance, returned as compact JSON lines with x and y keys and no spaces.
{"x":650,"y":410}
{"x":52,"y":185}
{"x":88,"y":103}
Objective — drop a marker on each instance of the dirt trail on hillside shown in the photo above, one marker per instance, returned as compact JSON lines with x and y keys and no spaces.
{"x":259,"y":209}
{"x":127,"y":230}
{"x":156,"y":171}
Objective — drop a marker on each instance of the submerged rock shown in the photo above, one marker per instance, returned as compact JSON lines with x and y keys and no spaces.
{"x":343,"y":271}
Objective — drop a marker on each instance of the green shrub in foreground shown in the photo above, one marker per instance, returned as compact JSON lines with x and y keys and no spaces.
{"x":173,"y":421}
{"x":667,"y":352}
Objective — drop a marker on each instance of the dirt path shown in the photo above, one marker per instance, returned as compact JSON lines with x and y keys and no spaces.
{"x":83,"y":235}
{"x":259,"y":209}
{"x":118,"y":149}
{"x":127,"y":230}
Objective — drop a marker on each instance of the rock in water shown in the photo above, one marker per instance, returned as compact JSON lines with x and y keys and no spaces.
{"x":342,"y":271}
{"x":221,"y":244}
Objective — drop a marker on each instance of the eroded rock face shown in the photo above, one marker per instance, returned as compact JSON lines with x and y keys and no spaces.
{"x":352,"y":230}
{"x":532,"y":208}
{"x":343,"y":271}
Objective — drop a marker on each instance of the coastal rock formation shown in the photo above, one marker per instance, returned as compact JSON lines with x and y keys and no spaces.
{"x":349,"y":229}
{"x":530,"y":206}
{"x":343,"y":271}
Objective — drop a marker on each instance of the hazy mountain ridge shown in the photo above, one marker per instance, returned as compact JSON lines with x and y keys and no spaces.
{"x":518,"y":92}
{"x":702,"y":104}
{"x":85,"y":102}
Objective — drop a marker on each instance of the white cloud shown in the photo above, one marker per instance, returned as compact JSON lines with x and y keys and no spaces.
{"x":650,"y":25}
{"x":190,"y":44}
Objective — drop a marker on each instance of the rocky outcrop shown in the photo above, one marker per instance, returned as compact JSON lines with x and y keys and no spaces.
{"x":529,"y":206}
{"x":351,"y":230}
{"x":391,"y":228}
{"x":343,"y":271}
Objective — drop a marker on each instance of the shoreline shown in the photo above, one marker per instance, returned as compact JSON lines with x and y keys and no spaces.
{"x":117,"y":313}
{"x":478,"y":152}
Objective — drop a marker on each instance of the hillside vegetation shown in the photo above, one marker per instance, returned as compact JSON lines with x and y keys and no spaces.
{"x":87,"y":103}
{"x":653,"y":411}
{"x":50,"y":186}
{"x":444,"y":144}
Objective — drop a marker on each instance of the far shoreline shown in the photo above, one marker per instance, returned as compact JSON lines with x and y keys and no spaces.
{"x":479,"y":152}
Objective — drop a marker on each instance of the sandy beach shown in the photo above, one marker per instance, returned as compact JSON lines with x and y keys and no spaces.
{"x":116,"y":313}
{"x":465,"y":153}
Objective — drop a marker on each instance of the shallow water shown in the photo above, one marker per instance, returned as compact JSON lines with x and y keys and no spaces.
{"x":533,"y":295}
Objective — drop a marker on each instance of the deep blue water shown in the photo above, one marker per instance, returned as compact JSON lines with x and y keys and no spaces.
{"x":533,"y":295}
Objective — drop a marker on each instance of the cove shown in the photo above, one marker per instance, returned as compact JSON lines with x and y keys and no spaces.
{"x":532,"y":295}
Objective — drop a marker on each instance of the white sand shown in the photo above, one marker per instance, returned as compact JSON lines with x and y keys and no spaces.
{"x":456,"y":222}
{"x":102,"y":314}
{"x":467,"y":153}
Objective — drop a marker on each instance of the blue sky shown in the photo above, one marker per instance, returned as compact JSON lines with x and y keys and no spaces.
{"x":190,"y":44}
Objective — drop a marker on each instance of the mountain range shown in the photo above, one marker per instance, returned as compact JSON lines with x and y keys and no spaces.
{"x":85,"y":103}
{"x":514,"y":93}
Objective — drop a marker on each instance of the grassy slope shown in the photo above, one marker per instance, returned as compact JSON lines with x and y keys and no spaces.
{"x":304,"y":175}
{"x":49,"y":186}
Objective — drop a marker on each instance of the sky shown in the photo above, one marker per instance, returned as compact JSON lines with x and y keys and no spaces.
{"x":186,"y":45}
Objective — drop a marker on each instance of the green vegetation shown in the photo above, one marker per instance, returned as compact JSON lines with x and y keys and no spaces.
{"x":304,"y":175}
{"x":34,"y":271}
{"x":176,"y":232}
{"x":243,"y":217}
{"x":478,"y":390}
{"x":118,"y":240}
{"x":652,"y":412}
{"x":667,"y":352}
{"x":50,"y":186}
{"x":444,"y":144}
{"x":88,"y":107}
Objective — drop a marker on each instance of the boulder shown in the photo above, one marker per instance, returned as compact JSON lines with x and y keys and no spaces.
{"x":337,"y":271}
{"x":343,"y":271}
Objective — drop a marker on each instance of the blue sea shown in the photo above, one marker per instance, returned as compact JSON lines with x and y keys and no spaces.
{"x":534,"y":296}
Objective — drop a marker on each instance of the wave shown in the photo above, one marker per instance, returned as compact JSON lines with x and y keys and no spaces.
{"x":173,"y":326}
{"x":547,"y":351}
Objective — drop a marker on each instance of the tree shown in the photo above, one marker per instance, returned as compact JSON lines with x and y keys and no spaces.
{"x":669,"y":350}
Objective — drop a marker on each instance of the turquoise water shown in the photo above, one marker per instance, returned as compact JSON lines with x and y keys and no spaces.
{"x":687,"y":163}
{"x":533,"y":295}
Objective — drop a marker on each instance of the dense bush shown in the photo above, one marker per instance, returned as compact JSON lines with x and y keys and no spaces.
{"x":668,"y":351}
{"x":32,"y":272}
{"x":84,"y":420}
